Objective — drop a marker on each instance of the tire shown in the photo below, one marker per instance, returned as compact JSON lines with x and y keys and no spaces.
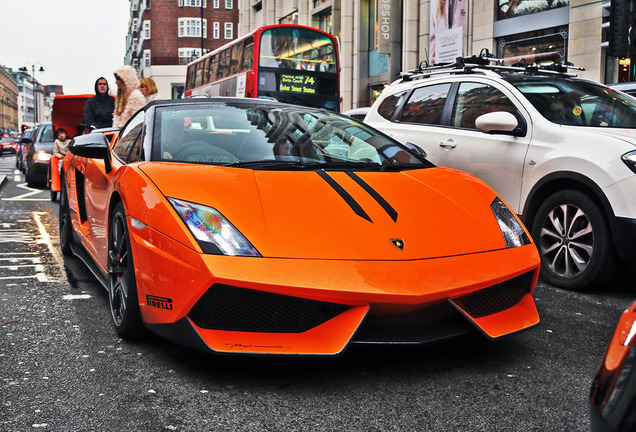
{"x":574,"y":242}
{"x":66,"y":228}
{"x":122,"y":286}
{"x":53,"y":195}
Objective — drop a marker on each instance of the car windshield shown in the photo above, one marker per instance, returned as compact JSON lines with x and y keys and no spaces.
{"x":274,"y":136}
{"x":579,"y":103}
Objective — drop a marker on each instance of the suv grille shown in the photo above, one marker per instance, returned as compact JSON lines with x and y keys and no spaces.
{"x":497,"y":297}
{"x":225,"y":307}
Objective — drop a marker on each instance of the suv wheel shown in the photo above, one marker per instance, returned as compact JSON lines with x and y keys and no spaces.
{"x":574,"y":242}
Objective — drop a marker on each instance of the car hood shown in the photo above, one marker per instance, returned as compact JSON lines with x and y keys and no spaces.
{"x":435,"y":212}
{"x":627,"y":135}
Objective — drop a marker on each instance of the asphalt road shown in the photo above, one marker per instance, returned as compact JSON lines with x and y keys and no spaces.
{"x":62,"y":367}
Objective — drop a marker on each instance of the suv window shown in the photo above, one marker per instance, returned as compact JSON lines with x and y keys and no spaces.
{"x":474,"y":99}
{"x":389,"y":105}
{"x":426,"y":104}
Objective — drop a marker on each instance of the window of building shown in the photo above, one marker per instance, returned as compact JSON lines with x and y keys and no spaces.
{"x":147,"y":58}
{"x":512,"y":8}
{"x":192,"y":3}
{"x":216,"y":4}
{"x":322,"y":20}
{"x":229,"y":30}
{"x":191,"y":27}
{"x":186,"y":55}
{"x":146,"y":30}
{"x":216,"y":32}
{"x":228,"y":4}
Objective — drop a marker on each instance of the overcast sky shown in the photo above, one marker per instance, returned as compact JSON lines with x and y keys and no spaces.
{"x":76,"y":41}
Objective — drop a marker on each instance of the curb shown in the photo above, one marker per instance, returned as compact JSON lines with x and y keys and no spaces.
{"x":2,"y":179}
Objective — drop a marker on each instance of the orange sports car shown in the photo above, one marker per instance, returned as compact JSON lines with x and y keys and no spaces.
{"x":250,"y":226}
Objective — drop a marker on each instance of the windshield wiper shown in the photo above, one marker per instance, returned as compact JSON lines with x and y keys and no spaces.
{"x":278,"y":164}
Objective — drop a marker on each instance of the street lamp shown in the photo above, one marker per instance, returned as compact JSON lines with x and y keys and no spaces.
{"x":35,"y":96}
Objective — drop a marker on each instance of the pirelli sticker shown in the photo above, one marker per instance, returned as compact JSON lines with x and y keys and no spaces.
{"x":159,"y":302}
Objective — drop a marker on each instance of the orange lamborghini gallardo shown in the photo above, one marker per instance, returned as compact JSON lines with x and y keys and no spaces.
{"x":251,"y":226}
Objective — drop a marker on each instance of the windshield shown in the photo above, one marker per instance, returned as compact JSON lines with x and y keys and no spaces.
{"x":579,"y":103}
{"x":297,"y":48}
{"x":272,"y":136}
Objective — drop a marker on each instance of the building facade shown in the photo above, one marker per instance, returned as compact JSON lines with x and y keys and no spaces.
{"x":30,"y":98}
{"x":165,"y":35}
{"x":8,"y":101}
{"x":381,"y":38}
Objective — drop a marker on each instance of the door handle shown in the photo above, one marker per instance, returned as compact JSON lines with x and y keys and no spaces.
{"x":448,"y":144}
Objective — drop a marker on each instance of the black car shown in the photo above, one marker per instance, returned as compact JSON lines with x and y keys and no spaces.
{"x":38,"y":155}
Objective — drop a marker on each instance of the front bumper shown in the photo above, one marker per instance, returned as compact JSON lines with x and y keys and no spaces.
{"x":291,"y":306}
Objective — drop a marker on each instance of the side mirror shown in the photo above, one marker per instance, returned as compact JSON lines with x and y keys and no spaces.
{"x":92,"y":146}
{"x":499,"y":123}
{"x":415,"y":149}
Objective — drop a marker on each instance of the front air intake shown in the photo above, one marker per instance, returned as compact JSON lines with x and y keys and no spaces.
{"x":497,"y":297}
{"x":225,"y":307}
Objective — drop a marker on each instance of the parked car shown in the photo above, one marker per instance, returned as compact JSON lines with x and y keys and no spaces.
{"x":7,"y":145}
{"x":613,"y":395}
{"x":23,"y":144}
{"x":560,"y":150}
{"x":38,"y":154}
{"x":625,"y":87}
{"x":357,"y":113}
{"x":250,"y":226}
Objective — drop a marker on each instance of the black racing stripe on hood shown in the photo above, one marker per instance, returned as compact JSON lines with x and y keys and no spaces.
{"x":344,"y":195}
{"x":393,"y":214}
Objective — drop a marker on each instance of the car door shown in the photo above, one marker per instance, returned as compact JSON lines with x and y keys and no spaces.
{"x":496,"y":159}
{"x":98,"y":187}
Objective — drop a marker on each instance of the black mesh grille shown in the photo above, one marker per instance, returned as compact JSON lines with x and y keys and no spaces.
{"x":497,"y":297}
{"x":225,"y":307}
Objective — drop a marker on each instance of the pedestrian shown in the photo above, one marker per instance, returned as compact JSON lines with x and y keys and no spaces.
{"x":149,"y":89}
{"x":98,"y":110}
{"x":129,"y":97}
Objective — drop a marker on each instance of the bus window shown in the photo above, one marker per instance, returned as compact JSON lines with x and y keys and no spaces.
{"x":248,"y":54}
{"x":237,"y":53}
{"x":199,"y":74}
{"x":206,"y":71}
{"x":190,"y":74}
{"x":287,"y":47}
{"x":214,"y":67}
{"x":224,"y":64}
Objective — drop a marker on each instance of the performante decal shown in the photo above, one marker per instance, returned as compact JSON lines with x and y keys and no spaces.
{"x":344,"y":195}
{"x":376,"y":196}
{"x":159,"y":302}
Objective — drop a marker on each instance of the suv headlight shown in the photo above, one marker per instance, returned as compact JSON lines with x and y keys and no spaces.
{"x":511,"y":228}
{"x":630,"y":160}
{"x":214,"y":233}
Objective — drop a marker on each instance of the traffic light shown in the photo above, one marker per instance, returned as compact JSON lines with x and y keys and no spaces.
{"x":24,"y":127}
{"x":618,"y":27}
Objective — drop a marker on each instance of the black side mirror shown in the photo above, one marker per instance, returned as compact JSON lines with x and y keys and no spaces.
{"x":92,"y":146}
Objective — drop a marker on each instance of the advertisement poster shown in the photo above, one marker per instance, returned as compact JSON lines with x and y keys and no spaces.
{"x":448,"y":21}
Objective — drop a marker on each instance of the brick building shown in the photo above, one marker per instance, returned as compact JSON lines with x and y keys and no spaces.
{"x":165,"y":35}
{"x":8,"y":101}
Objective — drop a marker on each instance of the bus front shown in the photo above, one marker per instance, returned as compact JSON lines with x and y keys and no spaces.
{"x":299,"y":65}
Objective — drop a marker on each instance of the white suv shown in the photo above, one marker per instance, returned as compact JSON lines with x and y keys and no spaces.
{"x":560,"y":150}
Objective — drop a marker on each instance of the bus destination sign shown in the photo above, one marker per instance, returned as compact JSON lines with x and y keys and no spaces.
{"x":298,"y":84}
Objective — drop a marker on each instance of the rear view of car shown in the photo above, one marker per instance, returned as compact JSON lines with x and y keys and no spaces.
{"x":7,"y":145}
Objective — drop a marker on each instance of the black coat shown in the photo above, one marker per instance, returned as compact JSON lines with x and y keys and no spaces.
{"x":98,"y":110}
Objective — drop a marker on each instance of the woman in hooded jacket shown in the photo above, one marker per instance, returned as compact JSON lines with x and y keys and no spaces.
{"x":129,"y":97}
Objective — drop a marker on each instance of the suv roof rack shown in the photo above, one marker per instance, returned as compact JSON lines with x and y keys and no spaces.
{"x":483,"y":64}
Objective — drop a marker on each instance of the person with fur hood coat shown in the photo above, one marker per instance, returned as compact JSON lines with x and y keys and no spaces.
{"x":129,"y":97}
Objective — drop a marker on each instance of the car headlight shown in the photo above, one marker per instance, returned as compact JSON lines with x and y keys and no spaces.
{"x":214,"y":233}
{"x":630,"y":160}
{"x":42,"y":156}
{"x":511,"y":228}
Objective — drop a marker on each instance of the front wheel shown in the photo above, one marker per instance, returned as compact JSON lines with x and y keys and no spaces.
{"x":574,"y":242}
{"x":122,"y":286}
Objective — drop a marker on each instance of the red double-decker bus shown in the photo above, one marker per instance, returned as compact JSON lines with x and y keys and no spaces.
{"x":290,"y":63}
